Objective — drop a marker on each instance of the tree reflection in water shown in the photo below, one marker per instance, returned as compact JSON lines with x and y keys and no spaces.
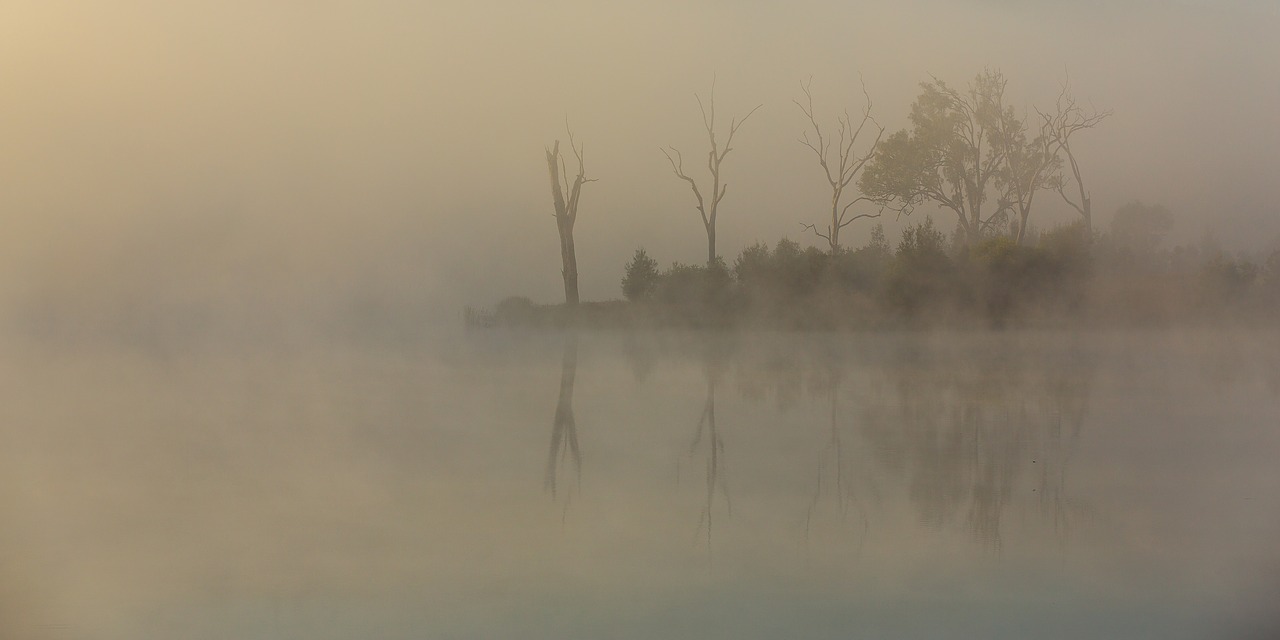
{"x":708,"y":441}
{"x":841,"y":484}
{"x":961,"y":431}
{"x":971,"y":431}
{"x":564,"y":429}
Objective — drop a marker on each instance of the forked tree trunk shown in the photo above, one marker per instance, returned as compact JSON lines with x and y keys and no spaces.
{"x":566,"y":214}
{"x":709,"y":206}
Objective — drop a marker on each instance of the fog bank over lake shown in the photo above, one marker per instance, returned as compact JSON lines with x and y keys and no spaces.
{"x":291,"y":152}
{"x":241,"y":400}
{"x":1084,"y":485}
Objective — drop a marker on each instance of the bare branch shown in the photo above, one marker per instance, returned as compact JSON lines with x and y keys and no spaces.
{"x":733,"y":128}
{"x":810,"y":227}
{"x":843,"y":166}
{"x":708,"y":208}
{"x":1068,"y":119}
{"x":677,"y":165}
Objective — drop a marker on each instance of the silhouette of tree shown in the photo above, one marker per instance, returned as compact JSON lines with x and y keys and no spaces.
{"x":641,"y":276}
{"x":1068,"y":119}
{"x":566,"y":212}
{"x":709,"y":206}
{"x":948,"y":157}
{"x":846,"y":163}
{"x":1028,"y":165}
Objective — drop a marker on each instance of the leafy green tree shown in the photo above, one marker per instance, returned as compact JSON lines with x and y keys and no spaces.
{"x":698,"y":295}
{"x":754,"y":265}
{"x":1029,"y":164}
{"x":641,"y":276}
{"x":863,"y":268}
{"x":921,"y":275}
{"x":952,"y":156}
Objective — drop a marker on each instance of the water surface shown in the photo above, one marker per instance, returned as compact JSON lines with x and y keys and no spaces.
{"x":994,"y":485}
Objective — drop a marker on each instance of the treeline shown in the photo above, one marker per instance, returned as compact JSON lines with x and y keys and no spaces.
{"x":1065,"y":276}
{"x":971,"y":156}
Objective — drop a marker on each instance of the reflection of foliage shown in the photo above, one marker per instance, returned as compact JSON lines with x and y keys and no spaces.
{"x":977,"y":425}
{"x":968,"y":432}
{"x":921,"y":277}
{"x":778,"y":375}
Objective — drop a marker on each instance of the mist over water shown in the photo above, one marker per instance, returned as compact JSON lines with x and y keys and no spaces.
{"x":552,"y":485}
{"x":240,"y":400}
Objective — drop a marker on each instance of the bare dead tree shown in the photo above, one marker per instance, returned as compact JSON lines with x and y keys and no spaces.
{"x":847,"y":164}
{"x":567,"y":212}
{"x":1068,"y":119}
{"x":708,"y":208}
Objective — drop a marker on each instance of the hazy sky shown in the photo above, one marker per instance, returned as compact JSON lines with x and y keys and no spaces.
{"x":248,"y":150}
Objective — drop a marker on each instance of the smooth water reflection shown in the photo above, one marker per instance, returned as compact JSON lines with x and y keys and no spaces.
{"x":753,"y":486}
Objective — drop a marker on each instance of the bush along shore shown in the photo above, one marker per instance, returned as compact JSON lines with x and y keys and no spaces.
{"x":1064,"y":277}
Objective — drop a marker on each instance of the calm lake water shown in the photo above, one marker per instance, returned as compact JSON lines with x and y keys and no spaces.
{"x":606,"y":485}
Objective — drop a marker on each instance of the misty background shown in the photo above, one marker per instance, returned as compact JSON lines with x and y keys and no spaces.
{"x":242,"y":163}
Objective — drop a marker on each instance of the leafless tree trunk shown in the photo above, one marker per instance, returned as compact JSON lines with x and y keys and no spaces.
{"x":847,"y":165}
{"x":709,"y":208}
{"x":1068,"y":119}
{"x":566,"y":213}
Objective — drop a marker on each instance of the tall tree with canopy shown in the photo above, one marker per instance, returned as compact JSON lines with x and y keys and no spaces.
{"x":948,"y":157}
{"x":1028,"y":166}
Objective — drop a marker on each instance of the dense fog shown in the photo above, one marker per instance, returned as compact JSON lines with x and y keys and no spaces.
{"x":241,"y":162}
{"x":257,"y":258}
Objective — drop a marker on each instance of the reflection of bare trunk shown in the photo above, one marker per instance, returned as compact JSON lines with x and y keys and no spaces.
{"x":714,"y":467}
{"x":845,"y":494}
{"x":1069,"y":391}
{"x":564,"y":431}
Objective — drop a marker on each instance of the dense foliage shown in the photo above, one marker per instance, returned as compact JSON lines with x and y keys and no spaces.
{"x":1064,"y":276}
